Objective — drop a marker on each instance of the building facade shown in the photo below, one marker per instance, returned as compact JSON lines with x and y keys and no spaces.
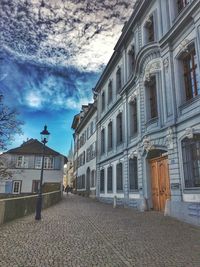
{"x":84,"y":126}
{"x":23,"y":166}
{"x":148,"y":110}
{"x":68,"y":178}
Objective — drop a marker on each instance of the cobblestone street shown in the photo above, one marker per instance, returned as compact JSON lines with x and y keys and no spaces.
{"x":82,"y":232}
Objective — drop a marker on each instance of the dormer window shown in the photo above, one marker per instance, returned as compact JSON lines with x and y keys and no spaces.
{"x":118,"y":80}
{"x":149,"y":26}
{"x":181,"y":4}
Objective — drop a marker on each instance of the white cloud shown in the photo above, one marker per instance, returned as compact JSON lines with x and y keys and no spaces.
{"x":34,"y":100}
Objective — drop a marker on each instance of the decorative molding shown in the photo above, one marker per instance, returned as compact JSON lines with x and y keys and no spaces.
{"x":183,"y":47}
{"x":147,"y":146}
{"x":169,"y":138}
{"x":151,"y":68}
{"x":189,"y":133}
{"x":166,"y":63}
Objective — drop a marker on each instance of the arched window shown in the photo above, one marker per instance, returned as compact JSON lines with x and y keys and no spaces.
{"x":152,"y":98}
{"x":109,"y":179}
{"x":110,"y":92}
{"x":133,"y":121}
{"x":102,"y":141}
{"x":191,"y":161}
{"x":119,"y":177}
{"x":103,"y":101}
{"x":102,"y":180}
{"x":133,"y":174}
{"x":119,"y":129}
{"x":118,"y":80}
{"x":110,"y":136}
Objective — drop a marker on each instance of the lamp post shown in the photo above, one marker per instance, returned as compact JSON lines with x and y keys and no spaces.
{"x":44,"y":139}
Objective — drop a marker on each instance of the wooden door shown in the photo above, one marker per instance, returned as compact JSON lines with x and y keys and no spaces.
{"x":160,"y":184}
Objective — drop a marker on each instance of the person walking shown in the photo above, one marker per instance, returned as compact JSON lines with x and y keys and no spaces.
{"x":67,"y":189}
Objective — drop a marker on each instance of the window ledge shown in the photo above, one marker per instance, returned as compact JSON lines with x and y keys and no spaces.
{"x":151,"y":121}
{"x":192,"y":190}
{"x":189,"y":102}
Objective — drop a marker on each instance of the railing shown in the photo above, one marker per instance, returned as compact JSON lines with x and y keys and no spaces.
{"x":13,"y":208}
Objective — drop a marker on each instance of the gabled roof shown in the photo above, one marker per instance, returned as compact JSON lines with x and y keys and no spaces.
{"x":33,"y":147}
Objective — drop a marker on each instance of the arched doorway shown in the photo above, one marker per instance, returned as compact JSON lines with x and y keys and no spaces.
{"x":88,"y":180}
{"x":160,"y":180}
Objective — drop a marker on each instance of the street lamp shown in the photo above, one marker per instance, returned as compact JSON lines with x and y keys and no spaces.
{"x":44,"y":139}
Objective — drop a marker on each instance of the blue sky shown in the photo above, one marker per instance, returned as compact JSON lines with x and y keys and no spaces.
{"x":51,"y":55}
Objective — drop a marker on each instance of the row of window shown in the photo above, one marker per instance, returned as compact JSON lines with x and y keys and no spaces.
{"x":82,"y":181}
{"x":23,"y":162}
{"x":133,"y":129}
{"x":133,"y":177}
{"x":17,"y":184}
{"x":86,"y":134}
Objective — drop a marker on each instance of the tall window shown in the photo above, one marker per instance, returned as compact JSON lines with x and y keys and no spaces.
{"x":35,"y":186}
{"x":17,"y":187}
{"x":133,"y":174}
{"x":118,"y":80}
{"x":191,"y":161}
{"x":150,"y":35}
{"x":110,"y":136}
{"x":110,"y":92}
{"x":109,"y":179}
{"x":103,"y":101}
{"x":48,"y":162}
{"x":93,"y":178}
{"x":152,"y":97}
{"x":133,"y":117}
{"x":103,"y":141}
{"x":119,"y":177}
{"x":102,"y":181}
{"x":181,"y":4}
{"x":119,"y":129}
{"x":131,"y":60}
{"x":191,"y":73}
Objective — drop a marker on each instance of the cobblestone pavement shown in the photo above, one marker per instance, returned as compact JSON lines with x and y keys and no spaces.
{"x":83,"y":232}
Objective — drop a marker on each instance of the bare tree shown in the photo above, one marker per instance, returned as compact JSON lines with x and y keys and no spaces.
{"x":10,"y":125}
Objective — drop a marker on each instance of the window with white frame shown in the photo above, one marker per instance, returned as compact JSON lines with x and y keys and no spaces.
{"x":133,"y":174}
{"x":119,"y":129}
{"x":17,"y":187}
{"x":119,"y":172}
{"x":118,"y":80}
{"x":151,"y":92}
{"x":38,"y":162}
{"x":109,"y":179}
{"x":110,"y":136}
{"x":48,"y":162}
{"x":102,"y":181}
{"x":133,"y":121}
{"x":22,"y":162}
{"x":191,"y":161}
{"x":110,"y":92}
{"x":190,"y":72}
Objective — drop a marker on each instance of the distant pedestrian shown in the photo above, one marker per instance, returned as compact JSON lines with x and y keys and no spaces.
{"x":67,"y":189}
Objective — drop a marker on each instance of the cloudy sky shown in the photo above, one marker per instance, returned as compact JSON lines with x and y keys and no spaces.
{"x":52,"y":53}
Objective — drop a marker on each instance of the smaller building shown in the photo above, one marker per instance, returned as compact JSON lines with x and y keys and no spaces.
{"x":69,"y":170}
{"x":84,"y":126}
{"x":23,"y":167}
